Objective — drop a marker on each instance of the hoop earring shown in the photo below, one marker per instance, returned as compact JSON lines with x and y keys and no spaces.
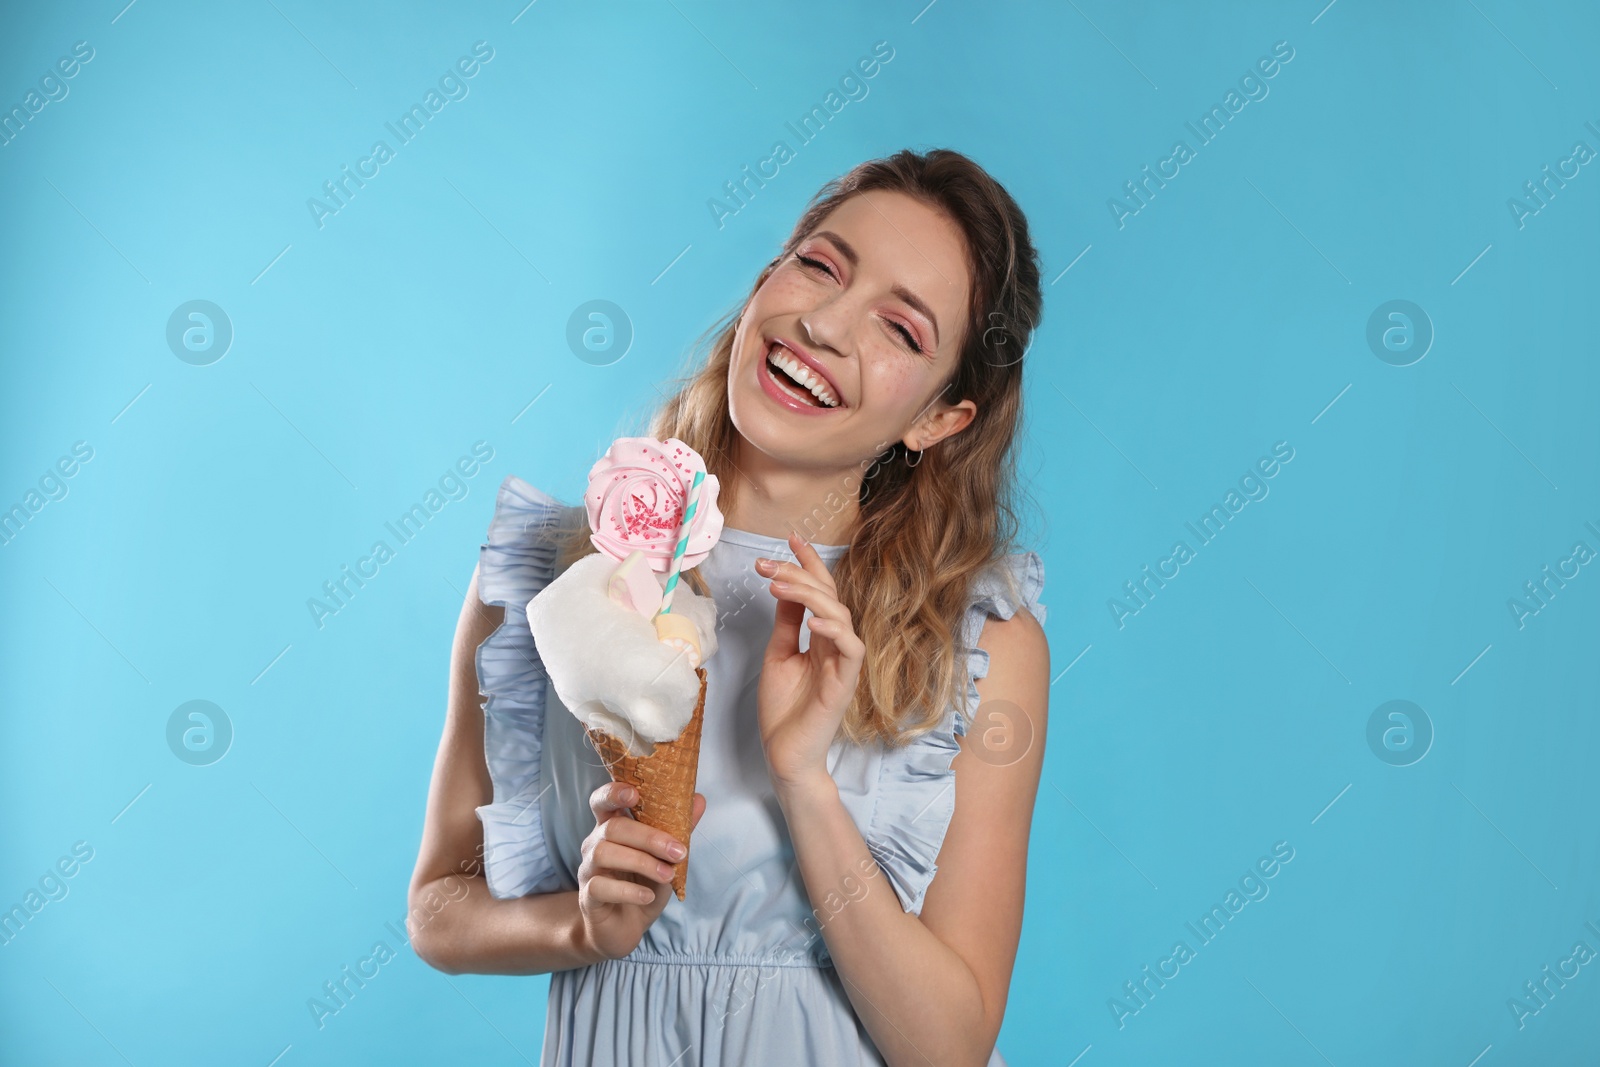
{"x":909,"y":461}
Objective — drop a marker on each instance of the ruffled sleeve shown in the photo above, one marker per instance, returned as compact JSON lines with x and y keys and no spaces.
{"x":517,"y":561}
{"x":916,"y":791}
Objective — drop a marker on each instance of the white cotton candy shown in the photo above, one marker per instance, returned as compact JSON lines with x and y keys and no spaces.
{"x":605,"y":661}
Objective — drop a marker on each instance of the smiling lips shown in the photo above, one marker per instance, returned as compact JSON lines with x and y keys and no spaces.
{"x":792,"y":381}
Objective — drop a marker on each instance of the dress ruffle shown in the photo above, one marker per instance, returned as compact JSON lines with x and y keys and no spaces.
{"x":916,"y":791}
{"x":517,"y":561}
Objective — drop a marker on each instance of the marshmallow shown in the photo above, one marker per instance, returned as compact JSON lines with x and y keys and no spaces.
{"x":680,"y":632}
{"x":635,"y":586}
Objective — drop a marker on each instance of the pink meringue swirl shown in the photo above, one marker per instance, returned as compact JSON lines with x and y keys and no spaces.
{"x":635,"y":500}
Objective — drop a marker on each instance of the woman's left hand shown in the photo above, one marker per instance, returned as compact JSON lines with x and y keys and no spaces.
{"x":803,"y":696}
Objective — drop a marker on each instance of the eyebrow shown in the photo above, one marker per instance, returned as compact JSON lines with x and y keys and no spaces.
{"x":848,"y":251}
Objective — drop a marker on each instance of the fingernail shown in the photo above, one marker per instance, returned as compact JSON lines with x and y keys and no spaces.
{"x":675,"y":850}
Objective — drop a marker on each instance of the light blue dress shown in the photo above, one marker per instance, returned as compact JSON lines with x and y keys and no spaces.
{"x":736,"y":973}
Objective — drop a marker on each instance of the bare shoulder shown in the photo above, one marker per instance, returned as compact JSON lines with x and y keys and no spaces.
{"x":1002,"y":752}
{"x":1018,"y":649}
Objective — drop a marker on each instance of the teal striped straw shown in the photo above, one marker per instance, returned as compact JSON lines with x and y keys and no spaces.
{"x":683,"y":541}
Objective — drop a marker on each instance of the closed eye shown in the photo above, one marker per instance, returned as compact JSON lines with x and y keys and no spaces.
{"x":910,"y":340}
{"x":817,"y":264}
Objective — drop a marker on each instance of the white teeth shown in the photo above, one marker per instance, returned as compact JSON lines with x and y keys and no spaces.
{"x":802,"y":374}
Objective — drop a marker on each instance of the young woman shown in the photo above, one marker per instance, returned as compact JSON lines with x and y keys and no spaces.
{"x":876,"y":708}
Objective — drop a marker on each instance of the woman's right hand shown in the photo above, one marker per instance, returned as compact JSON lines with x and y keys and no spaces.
{"x":625,"y":879}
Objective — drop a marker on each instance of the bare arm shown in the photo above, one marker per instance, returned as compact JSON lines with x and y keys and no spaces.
{"x":455,"y":925}
{"x":933,"y":990}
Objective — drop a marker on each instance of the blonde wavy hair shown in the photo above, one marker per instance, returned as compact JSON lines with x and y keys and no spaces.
{"x":924,"y":532}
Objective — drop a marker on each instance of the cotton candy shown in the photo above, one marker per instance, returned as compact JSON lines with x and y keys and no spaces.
{"x":606,"y":662}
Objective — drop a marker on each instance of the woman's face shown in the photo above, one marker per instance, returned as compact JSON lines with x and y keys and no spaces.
{"x":876,"y":317}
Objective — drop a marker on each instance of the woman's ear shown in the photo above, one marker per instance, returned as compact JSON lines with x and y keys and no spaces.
{"x":940,"y":424}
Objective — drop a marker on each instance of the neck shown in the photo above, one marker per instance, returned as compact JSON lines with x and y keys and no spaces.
{"x":772,"y":499}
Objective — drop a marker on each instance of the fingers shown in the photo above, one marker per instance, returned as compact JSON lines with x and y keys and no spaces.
{"x":808,"y":568}
{"x":615,"y":856}
{"x":617,"y":891}
{"x":646,"y":839}
{"x":611,"y":799}
{"x":823,"y":604}
{"x":810,"y":573}
{"x":612,"y":856}
{"x":810,"y":559}
{"x":850,"y":646}
{"x":625,"y":861}
{"x":785,"y":639}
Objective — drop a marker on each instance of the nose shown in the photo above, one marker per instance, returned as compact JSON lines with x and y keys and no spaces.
{"x":827,"y":326}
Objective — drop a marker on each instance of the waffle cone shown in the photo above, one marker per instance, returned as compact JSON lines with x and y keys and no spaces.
{"x":665,"y":779}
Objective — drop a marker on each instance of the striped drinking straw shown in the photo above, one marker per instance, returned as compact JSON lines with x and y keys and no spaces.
{"x":683,"y":542}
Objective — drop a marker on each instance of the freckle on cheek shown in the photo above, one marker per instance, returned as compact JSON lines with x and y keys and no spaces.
{"x":898,"y":382}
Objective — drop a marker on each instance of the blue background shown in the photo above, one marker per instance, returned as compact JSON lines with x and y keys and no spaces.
{"x":1228,"y":314}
